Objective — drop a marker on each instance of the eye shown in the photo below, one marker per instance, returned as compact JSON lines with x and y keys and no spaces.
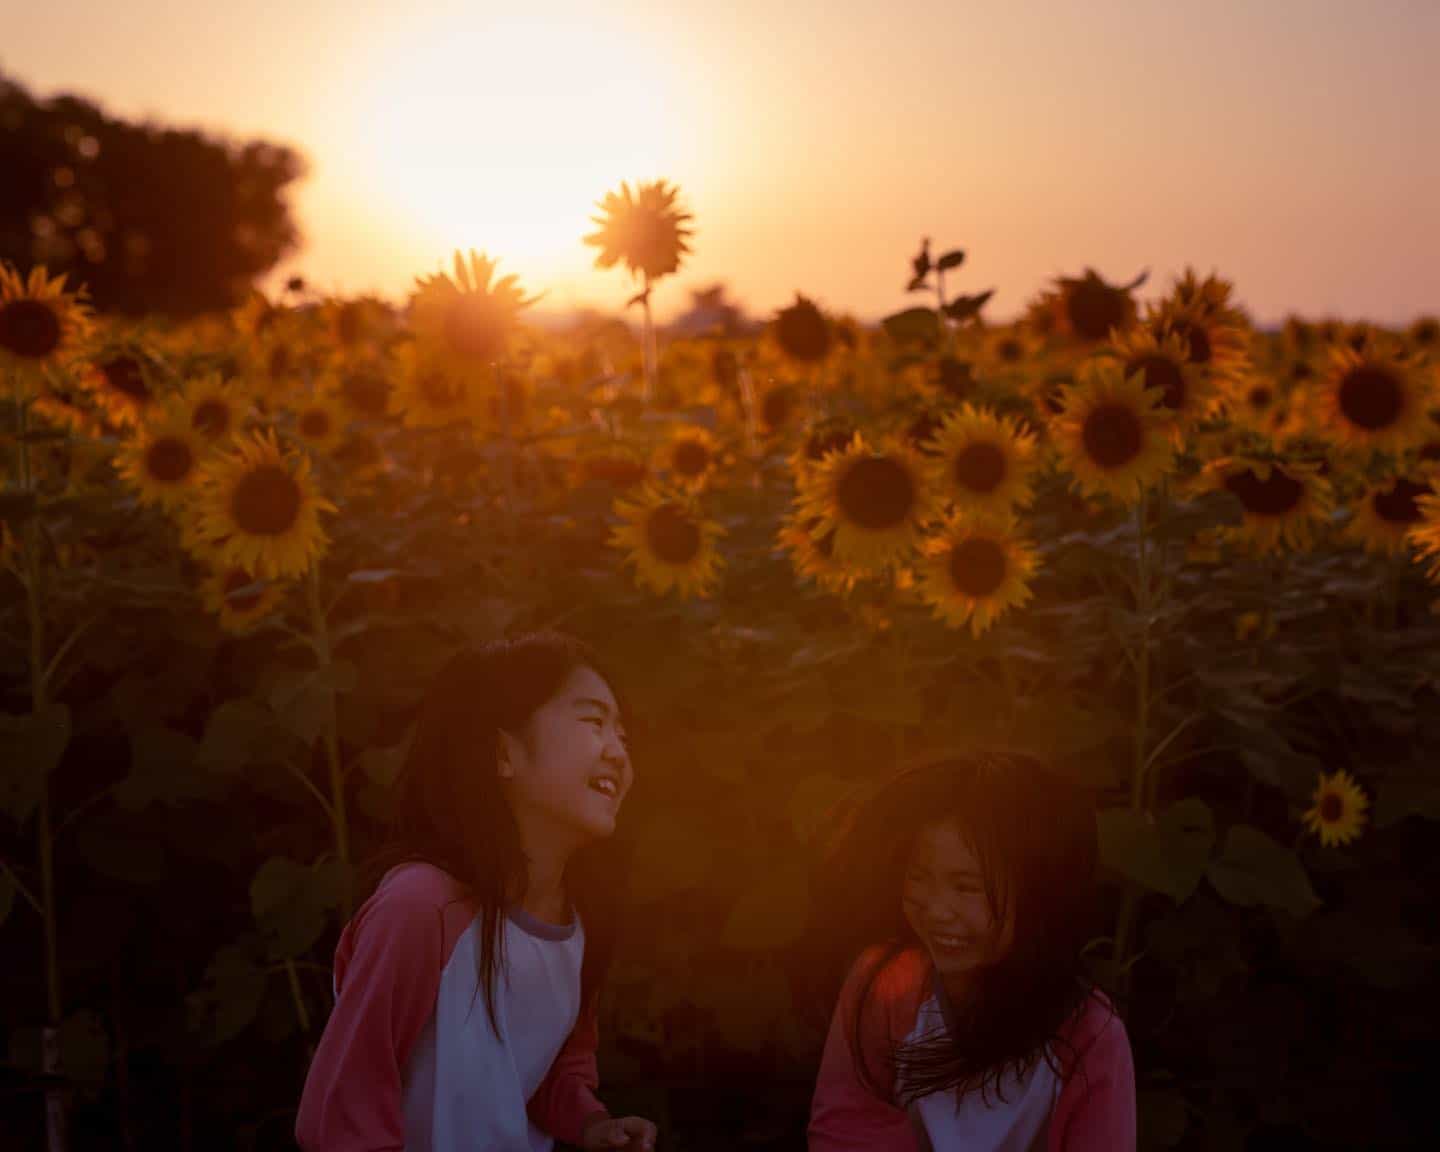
{"x":595,"y":720}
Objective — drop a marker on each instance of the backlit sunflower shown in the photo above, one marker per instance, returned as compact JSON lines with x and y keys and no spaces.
{"x":218,"y":408}
{"x":121,"y":380}
{"x":164,"y":457}
{"x":363,"y":387}
{"x":1386,"y":514}
{"x":1112,"y":433}
{"x":431,"y":395}
{"x":690,"y":456}
{"x":1085,"y":309}
{"x":466,"y":324}
{"x":813,"y":556}
{"x":646,"y":230}
{"x":802,"y":331}
{"x":259,"y":508}
{"x":982,"y":462}
{"x":1375,"y":398}
{"x":670,"y":543}
{"x":1008,"y":347}
{"x":1281,"y":502}
{"x":1425,"y":536}
{"x":1424,"y":335}
{"x":1215,"y":338}
{"x":778,"y":406}
{"x":974,"y":570}
{"x":41,"y":326}
{"x":1186,"y":392}
{"x":257,"y":317}
{"x":238,"y":600}
{"x":873,"y":499}
{"x":1337,"y":811}
{"x":1257,"y":401}
{"x":320,"y":424}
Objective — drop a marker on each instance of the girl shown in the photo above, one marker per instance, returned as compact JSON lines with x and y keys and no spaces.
{"x":466,"y":986}
{"x":966,"y":1024}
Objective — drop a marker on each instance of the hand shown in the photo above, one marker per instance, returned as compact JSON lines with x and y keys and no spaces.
{"x":629,"y":1132}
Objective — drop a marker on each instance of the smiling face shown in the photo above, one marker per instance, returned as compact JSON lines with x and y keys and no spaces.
{"x":570,"y":769}
{"x":945,"y":902}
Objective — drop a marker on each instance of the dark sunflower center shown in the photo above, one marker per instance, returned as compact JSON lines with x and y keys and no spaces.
{"x":1278,"y":495}
{"x":240,"y":601}
{"x":725,"y":368}
{"x":1113,"y":435}
{"x":954,"y":377}
{"x":1010,"y":350}
{"x":266,"y":501}
{"x":690,"y":458}
{"x":315,"y":423}
{"x":1163,"y":375}
{"x":29,"y":329}
{"x":1198,"y":340}
{"x":980,"y":466}
{"x":977,"y":567}
{"x":474,"y":327}
{"x":1371,"y":398}
{"x":877,"y":493}
{"x":1301,"y":370}
{"x":1399,"y":505}
{"x":672,"y":534}
{"x":1093,"y":308}
{"x":775,"y":409}
{"x":169,"y":460}
{"x":1332,"y":808}
{"x":123,"y":375}
{"x":212,"y":417}
{"x":803,"y":333}
{"x":367,"y":392}
{"x":1259,"y":398}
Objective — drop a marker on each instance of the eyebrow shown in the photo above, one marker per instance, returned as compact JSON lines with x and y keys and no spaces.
{"x":592,"y":702}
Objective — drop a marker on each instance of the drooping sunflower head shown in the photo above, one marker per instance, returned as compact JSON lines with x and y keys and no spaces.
{"x":1425,"y":536}
{"x":1165,"y":369}
{"x":320,"y":424}
{"x":647,"y":230}
{"x":41,"y":325}
{"x":259,"y":509}
{"x":669,"y":542}
{"x":239,"y":600}
{"x":122,"y":382}
{"x":812,"y":554}
{"x":163,"y":460}
{"x":362,"y":386}
{"x":1376,"y":399}
{"x":1085,"y":309}
{"x":467,"y":322}
{"x":873,"y":499}
{"x":1008,"y":347}
{"x":982,"y":462}
{"x":218,"y":408}
{"x":974,"y":570}
{"x":430,"y":394}
{"x":1337,"y":811}
{"x":1112,"y":433}
{"x":1387,"y":513}
{"x":689,"y":457}
{"x":1215,"y":337}
{"x":802,"y":331}
{"x":1282,"y":502}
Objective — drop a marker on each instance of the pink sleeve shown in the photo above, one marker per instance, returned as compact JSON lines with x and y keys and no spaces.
{"x":387,"y":968}
{"x":845,"y":1116}
{"x":1096,"y":1109}
{"x":565,"y":1100}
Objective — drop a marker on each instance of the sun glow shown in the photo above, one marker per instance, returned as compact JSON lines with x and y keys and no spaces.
{"x":500,"y":134}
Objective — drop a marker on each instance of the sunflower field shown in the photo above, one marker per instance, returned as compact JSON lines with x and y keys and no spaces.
{"x":1187,"y":559}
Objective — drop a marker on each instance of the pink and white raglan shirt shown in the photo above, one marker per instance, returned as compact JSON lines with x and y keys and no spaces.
{"x":409,"y":1059}
{"x":1088,"y":1107}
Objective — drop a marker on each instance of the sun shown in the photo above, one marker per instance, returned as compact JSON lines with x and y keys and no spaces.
{"x":499,"y":131}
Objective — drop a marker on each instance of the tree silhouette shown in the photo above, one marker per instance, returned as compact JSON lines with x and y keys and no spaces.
{"x":151,"y":219}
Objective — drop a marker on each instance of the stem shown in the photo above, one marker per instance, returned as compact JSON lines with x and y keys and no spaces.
{"x":21,"y":886}
{"x":648,"y":351}
{"x":332,"y":743}
{"x":300,"y":1011}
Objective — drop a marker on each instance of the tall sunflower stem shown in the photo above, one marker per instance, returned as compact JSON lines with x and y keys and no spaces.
{"x":507,"y":464}
{"x":648,"y":349}
{"x":338,"y":821}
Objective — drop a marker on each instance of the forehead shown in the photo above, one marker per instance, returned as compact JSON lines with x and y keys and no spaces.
{"x":941,"y":846}
{"x":586,"y":684}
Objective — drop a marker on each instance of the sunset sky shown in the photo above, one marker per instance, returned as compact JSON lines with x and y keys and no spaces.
{"x":1287,"y":144}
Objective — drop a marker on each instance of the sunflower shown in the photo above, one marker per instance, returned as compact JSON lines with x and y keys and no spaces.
{"x":778,"y":406}
{"x":973,"y":570}
{"x":1165,"y":368}
{"x":217,"y":408}
{"x":430,"y":395}
{"x":813,"y":556}
{"x":1280,"y":501}
{"x":361,"y":322}
{"x":802,"y":331}
{"x":466,"y":324}
{"x":1424,"y":335}
{"x":1257,"y":401}
{"x":40,"y":325}
{"x":690,"y":456}
{"x":1213,"y":335}
{"x":953,"y":377}
{"x":362,"y":387}
{"x":239,"y":600}
{"x":257,"y":317}
{"x":164,"y":458}
{"x":1111,"y":432}
{"x":1425,"y":536}
{"x":1086,"y":309}
{"x":1375,"y":398}
{"x":1337,"y":811}
{"x":1008,"y":347}
{"x":1387,"y":512}
{"x":669,"y":541}
{"x":646,"y":230}
{"x":982,"y":462}
{"x":120,"y":380}
{"x":320,"y":424}
{"x":873,"y":499}
{"x":260,"y":510}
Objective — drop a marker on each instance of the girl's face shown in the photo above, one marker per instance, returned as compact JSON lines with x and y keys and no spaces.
{"x":574,"y":768}
{"x":945,"y":903}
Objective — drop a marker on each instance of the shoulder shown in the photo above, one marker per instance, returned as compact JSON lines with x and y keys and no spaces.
{"x":894,"y":983}
{"x":1096,"y":1036}
{"x":417,"y":894}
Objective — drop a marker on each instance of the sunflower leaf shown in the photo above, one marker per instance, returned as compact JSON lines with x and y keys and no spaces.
{"x":1166,"y":855}
{"x":31,"y":746}
{"x":951,"y":259}
{"x":1252,"y":869}
{"x":913,"y":326}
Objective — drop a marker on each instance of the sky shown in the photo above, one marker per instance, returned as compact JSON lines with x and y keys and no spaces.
{"x":1288,"y":145}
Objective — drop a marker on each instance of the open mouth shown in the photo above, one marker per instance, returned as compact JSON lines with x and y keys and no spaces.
{"x":606,"y":786}
{"x":945,"y":943}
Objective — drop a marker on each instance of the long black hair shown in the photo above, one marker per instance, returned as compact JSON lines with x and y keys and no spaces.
{"x":450,"y":810}
{"x":1032,"y":831}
